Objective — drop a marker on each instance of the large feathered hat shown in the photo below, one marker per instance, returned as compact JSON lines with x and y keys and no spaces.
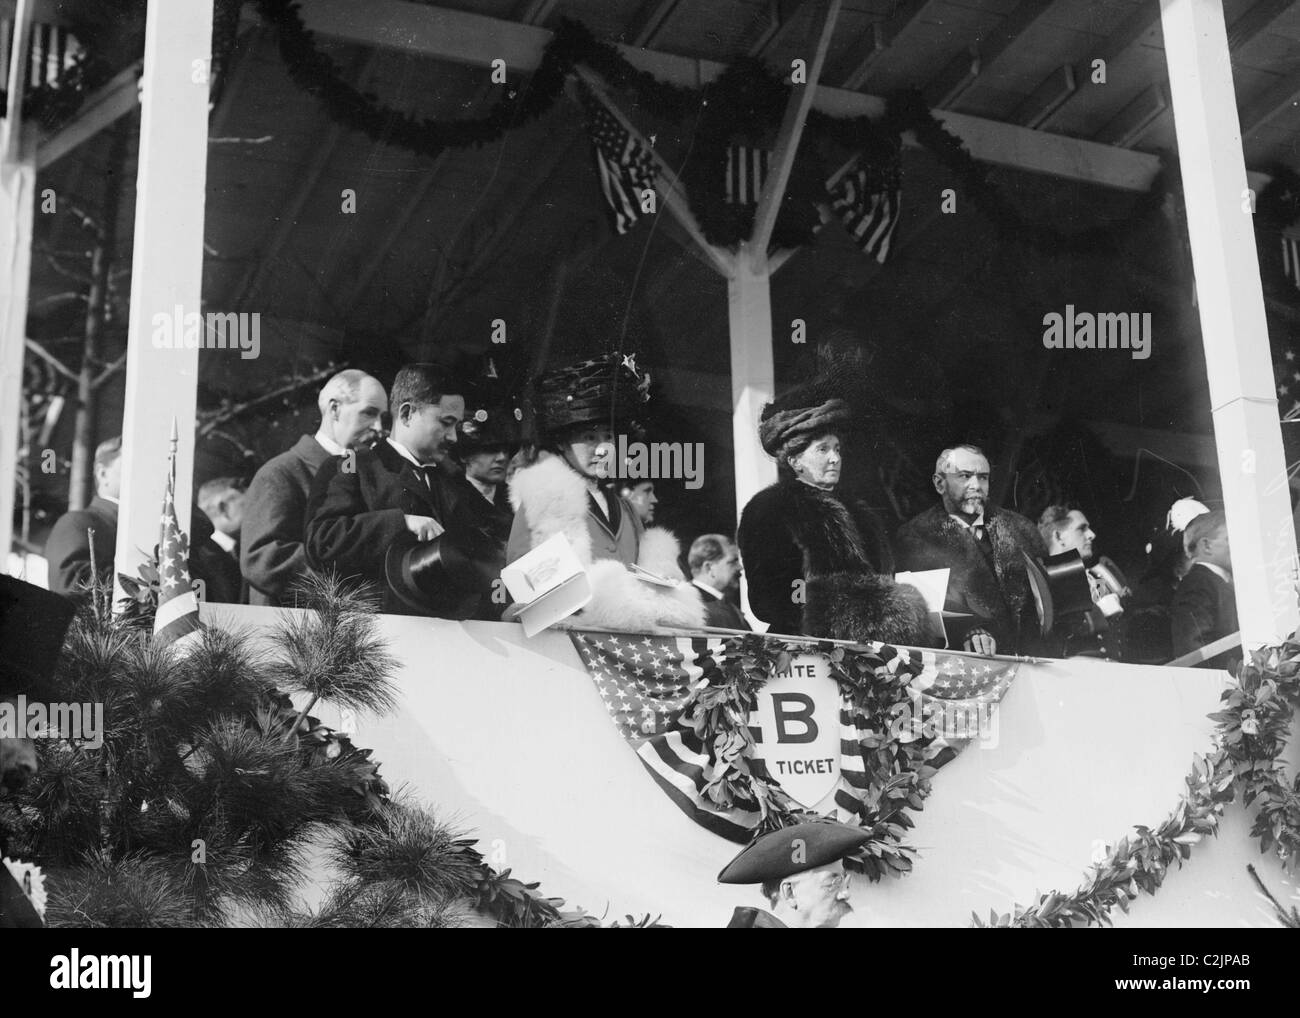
{"x":607,"y":390}
{"x":488,"y":427}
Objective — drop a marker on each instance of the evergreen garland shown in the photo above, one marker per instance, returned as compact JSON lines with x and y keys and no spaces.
{"x":1250,"y":733}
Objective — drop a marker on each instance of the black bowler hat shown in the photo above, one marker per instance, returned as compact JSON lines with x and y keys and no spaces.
{"x":780,"y":854}
{"x":434,"y":575}
{"x":33,"y":623}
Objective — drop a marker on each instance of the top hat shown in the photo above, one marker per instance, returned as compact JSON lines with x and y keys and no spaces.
{"x":33,"y":623}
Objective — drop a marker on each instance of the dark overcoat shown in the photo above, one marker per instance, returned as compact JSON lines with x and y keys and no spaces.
{"x":815,"y":566}
{"x":68,"y":547}
{"x":991,"y":585}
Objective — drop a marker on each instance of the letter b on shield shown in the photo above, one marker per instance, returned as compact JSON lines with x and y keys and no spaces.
{"x":797,"y":730}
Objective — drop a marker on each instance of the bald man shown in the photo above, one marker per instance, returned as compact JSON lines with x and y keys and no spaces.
{"x":272,"y":554}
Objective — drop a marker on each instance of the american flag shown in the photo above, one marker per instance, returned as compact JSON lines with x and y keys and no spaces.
{"x":746,"y":170}
{"x":626,"y":167}
{"x":51,"y":50}
{"x":868,"y":206}
{"x":178,"y":610}
{"x":647,"y":681}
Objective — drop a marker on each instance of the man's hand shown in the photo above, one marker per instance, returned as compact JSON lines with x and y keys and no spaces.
{"x":980,"y":641}
{"x":425,"y":528}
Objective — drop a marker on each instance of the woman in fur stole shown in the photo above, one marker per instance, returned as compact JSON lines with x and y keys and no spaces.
{"x":562,"y":493}
{"x":813,"y":561}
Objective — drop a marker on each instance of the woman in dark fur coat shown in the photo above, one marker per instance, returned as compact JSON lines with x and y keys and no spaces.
{"x":799,"y":530}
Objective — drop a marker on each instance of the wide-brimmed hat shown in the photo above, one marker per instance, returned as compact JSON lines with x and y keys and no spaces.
{"x":608,"y":390}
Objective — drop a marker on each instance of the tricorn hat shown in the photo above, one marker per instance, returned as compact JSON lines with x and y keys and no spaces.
{"x":790,"y":850}
{"x":33,"y":623}
{"x":606,"y":389}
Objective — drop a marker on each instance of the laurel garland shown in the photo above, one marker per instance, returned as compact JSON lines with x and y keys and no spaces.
{"x":1250,"y":733}
{"x":899,"y":770}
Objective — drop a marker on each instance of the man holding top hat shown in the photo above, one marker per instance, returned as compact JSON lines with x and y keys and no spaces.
{"x":801,"y":873}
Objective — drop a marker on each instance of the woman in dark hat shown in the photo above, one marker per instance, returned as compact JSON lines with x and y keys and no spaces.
{"x":579,"y":408}
{"x":816,"y":564}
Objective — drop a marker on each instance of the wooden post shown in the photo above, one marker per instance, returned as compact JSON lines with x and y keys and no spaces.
{"x":749,"y":305}
{"x":17,"y":207}
{"x":167,"y":270}
{"x":1243,"y":401}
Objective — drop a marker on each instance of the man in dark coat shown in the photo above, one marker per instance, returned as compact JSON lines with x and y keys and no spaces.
{"x":214,"y":540}
{"x":271,"y":551}
{"x":984,"y":549}
{"x":387,"y":520}
{"x":68,"y":548}
{"x":714,"y":562}
{"x":1205,"y":605}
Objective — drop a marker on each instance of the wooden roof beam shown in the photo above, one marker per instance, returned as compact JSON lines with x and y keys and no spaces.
{"x":962,"y":70}
{"x":649,"y":21}
{"x":1131,"y":124}
{"x":1282,"y":96}
{"x":780,"y":16}
{"x":787,"y":139}
{"x":1136,"y":25}
{"x":878,"y":39}
{"x":1258,"y":19}
{"x":464,"y":38}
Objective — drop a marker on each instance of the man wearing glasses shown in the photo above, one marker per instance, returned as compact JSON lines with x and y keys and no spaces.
{"x":984,"y":547}
{"x":801,"y":873}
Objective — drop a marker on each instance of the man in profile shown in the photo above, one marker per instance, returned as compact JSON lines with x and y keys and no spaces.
{"x":1094,"y":628}
{"x":214,"y":540}
{"x":1205,"y":604}
{"x":641,"y":497}
{"x":714,"y":561}
{"x":272,"y":554}
{"x":984,"y":548}
{"x":68,"y":549}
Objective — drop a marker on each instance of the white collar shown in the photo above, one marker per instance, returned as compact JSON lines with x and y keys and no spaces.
{"x":711,"y":590}
{"x":226,"y":542}
{"x":328,"y":444}
{"x":978,"y":521}
{"x":409,"y":456}
{"x":1218,"y":571}
{"x":108,"y":498}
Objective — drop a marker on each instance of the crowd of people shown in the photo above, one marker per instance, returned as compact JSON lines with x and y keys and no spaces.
{"x":429,"y":505}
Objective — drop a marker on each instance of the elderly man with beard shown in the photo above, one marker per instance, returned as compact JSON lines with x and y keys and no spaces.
{"x":984,"y":547}
{"x":801,"y":872}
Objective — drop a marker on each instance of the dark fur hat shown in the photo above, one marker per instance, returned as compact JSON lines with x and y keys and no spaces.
{"x":835,"y":399}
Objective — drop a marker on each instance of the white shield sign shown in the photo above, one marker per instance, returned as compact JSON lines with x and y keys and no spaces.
{"x":797,"y":729}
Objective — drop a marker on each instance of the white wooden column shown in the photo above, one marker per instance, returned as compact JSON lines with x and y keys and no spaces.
{"x":17,"y":201}
{"x":167,"y":269}
{"x":1252,"y":466}
{"x":17,"y":197}
{"x":749,"y":307}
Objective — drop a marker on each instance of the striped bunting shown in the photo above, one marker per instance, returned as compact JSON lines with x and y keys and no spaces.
{"x":746,"y":170}
{"x":646,"y":682}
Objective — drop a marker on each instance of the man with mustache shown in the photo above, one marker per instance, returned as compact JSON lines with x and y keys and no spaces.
{"x":984,"y":548}
{"x":383,"y":515}
{"x":801,"y":872}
